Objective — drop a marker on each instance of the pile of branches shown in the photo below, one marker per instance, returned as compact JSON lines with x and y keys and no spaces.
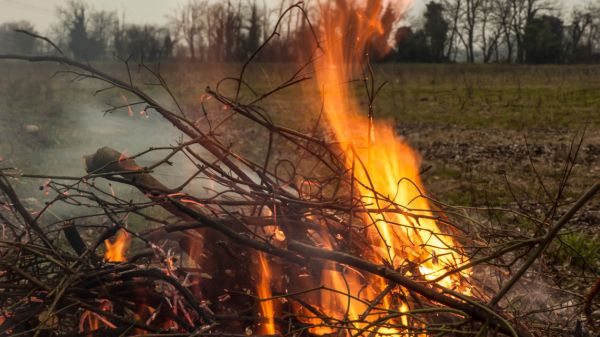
{"x":54,"y":281}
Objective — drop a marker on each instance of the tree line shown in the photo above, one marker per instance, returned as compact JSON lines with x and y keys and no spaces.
{"x":501,"y":31}
{"x":200,"y":30}
{"x":498,"y":31}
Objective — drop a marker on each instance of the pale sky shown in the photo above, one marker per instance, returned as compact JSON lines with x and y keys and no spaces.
{"x":42,"y":12}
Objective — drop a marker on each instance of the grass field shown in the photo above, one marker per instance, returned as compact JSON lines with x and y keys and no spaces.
{"x":471,"y":123}
{"x":479,"y":128}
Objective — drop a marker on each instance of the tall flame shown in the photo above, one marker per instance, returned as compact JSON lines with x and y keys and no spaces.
{"x":264,"y":292}
{"x":115,"y":251}
{"x":385,"y":169}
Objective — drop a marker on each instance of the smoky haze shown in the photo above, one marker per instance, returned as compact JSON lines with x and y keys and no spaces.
{"x":47,"y":125}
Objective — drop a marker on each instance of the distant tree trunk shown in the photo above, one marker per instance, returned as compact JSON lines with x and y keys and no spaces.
{"x":471,"y":16}
{"x":192,"y":48}
{"x":506,"y":17}
{"x":490,"y":29}
{"x":453,"y":9}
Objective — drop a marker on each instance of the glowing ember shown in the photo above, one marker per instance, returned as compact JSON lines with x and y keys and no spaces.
{"x":91,"y":321}
{"x":115,"y":251}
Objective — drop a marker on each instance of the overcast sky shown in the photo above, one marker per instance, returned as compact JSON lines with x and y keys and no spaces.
{"x":42,"y":12}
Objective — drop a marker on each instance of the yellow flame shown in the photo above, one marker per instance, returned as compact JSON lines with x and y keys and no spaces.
{"x":386,"y":169}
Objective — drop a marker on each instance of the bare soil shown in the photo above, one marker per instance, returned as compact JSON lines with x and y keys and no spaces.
{"x":504,"y":167}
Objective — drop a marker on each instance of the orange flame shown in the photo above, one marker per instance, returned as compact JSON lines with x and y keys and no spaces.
{"x":115,"y":251}
{"x":385,"y":169}
{"x":264,"y":292}
{"x":92,"y":321}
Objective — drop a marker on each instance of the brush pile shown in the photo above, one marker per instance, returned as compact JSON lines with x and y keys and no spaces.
{"x":297,"y":242}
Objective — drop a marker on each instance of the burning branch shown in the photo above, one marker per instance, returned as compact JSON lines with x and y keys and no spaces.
{"x":469,"y":306}
{"x":335,"y":236}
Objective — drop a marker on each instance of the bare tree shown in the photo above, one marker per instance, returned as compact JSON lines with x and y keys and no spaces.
{"x":215,"y":32}
{"x":523,"y":12}
{"x":471,"y":22}
{"x":592,"y":36}
{"x":86,"y":32}
{"x":188,"y":24}
{"x":233,"y":27}
{"x":491,"y":29}
{"x":453,"y":10}
{"x":488,"y":24}
{"x":583,"y":33}
{"x":582,"y":21}
{"x":504,"y":16}
{"x":224,"y":26}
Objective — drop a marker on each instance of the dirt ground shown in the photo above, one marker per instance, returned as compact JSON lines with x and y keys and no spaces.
{"x":466,"y":162}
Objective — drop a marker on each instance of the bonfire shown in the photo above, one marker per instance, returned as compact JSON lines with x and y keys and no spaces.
{"x":335,"y":237}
